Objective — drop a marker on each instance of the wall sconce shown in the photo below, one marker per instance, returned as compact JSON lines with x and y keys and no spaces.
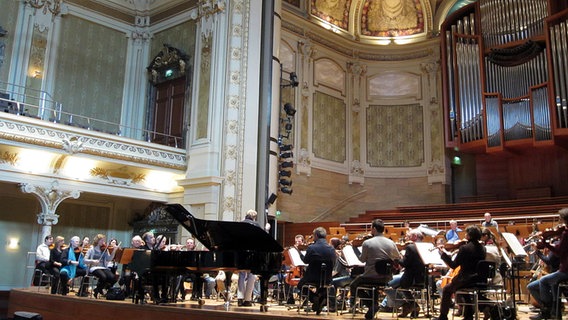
{"x":13,"y":243}
{"x":37,"y":74}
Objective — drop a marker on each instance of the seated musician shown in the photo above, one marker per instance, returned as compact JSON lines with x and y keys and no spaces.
{"x":320,"y":257}
{"x":42,"y":256}
{"x":493,"y":253}
{"x":467,"y":258}
{"x":98,"y":257}
{"x":127,"y":277}
{"x":293,"y":273}
{"x":488,"y":221}
{"x":547,"y":263}
{"x":376,"y":247}
{"x":548,"y":284}
{"x":341,"y":275}
{"x":149,"y":241}
{"x":452,"y":234}
{"x":413,"y":273}
{"x":196,"y":278}
{"x":55,"y":258}
{"x":72,"y":260}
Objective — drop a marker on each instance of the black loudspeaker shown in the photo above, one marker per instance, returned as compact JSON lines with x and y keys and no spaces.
{"x":22,"y":315}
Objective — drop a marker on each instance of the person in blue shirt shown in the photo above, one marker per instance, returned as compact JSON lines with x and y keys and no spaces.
{"x":452,"y":234}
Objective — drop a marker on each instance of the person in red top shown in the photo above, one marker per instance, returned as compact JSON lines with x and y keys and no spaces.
{"x":548,"y":284}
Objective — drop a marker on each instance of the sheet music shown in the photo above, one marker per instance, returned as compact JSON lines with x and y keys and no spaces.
{"x":295,"y":258}
{"x":430,"y":254}
{"x":351,"y":258}
{"x":514,"y":244}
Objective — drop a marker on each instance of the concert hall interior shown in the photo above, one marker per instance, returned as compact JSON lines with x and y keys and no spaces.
{"x":184,"y":118}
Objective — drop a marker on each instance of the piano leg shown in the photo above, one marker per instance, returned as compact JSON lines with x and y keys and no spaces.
{"x":263,"y":278}
{"x":228,"y":279}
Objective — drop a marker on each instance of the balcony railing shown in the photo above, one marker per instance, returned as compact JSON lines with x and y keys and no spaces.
{"x":40,"y":105}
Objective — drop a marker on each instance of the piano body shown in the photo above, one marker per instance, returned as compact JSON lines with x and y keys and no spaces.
{"x":232,"y":246}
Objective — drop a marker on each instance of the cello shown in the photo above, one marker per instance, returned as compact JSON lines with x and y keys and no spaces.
{"x":293,"y":260}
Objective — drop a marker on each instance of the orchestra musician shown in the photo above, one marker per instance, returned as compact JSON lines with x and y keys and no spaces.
{"x":320,"y":257}
{"x":73,"y":265}
{"x":413,"y":273}
{"x":293,"y":272}
{"x":341,"y":275}
{"x":488,"y":221}
{"x":160,"y":280}
{"x":376,"y":247}
{"x":467,"y":258}
{"x":452,"y":234}
{"x":42,"y":257}
{"x":546,"y":295}
{"x":98,"y":257}
{"x":127,"y":277}
{"x":55,"y":258}
{"x":546,"y":264}
{"x":246,"y":278}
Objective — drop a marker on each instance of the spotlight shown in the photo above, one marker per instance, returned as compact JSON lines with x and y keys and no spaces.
{"x":286,"y":190}
{"x":293,"y":79}
{"x":286,"y":155}
{"x":288,"y":127}
{"x":289,"y":109}
{"x":286,"y":147}
{"x":287,"y":164}
{"x":285,"y":173}
{"x":286,"y":182}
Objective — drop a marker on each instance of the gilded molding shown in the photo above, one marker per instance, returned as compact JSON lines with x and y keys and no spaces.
{"x":74,"y":142}
{"x":9,"y":157}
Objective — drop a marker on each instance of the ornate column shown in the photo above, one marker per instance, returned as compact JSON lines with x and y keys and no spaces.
{"x":357,"y":71}
{"x":306,"y":57}
{"x":49,"y":198}
{"x":434,"y":156}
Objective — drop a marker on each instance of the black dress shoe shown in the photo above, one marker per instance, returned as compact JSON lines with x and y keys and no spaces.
{"x":247,"y":304}
{"x":240,"y":302}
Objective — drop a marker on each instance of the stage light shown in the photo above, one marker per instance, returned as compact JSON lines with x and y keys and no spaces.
{"x":286,"y":147}
{"x":286,"y":190}
{"x":293,"y":79}
{"x":286,"y":155}
{"x":285,"y":173}
{"x":287,"y":164}
{"x":289,"y":109}
{"x":285,"y":182}
{"x":271,"y":199}
{"x":288,"y":127}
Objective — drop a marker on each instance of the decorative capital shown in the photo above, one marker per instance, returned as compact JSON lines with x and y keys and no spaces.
{"x":49,"y":198}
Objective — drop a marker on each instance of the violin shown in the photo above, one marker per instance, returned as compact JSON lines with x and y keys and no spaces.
{"x":402,"y":246}
{"x":358,"y":241}
{"x":455,"y":245}
{"x":549,"y":233}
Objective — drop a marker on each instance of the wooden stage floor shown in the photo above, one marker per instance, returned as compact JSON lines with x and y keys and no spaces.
{"x":71,"y":307}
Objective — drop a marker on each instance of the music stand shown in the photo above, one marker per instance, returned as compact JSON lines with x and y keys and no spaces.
{"x":431,"y":258}
{"x":516,"y":248}
{"x":124,"y":256}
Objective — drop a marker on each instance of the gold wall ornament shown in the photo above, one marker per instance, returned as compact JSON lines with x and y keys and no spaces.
{"x":10,"y":158}
{"x":53,"y":6}
{"x":118,"y":177}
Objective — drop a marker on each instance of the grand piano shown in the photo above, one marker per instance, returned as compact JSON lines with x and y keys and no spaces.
{"x":232,"y":246}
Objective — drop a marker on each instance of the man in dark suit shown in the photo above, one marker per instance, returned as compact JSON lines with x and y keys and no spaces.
{"x":320,"y":257}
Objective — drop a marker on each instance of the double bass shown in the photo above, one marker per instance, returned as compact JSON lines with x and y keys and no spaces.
{"x":293,"y":260}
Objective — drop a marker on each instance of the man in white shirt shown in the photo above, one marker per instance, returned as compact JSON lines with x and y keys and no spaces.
{"x":42,"y":257}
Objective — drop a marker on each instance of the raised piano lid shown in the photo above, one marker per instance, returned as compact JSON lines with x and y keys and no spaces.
{"x":224,"y":235}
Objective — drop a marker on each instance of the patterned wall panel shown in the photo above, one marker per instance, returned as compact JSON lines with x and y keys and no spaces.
{"x":8,"y":16}
{"x":395,"y":136}
{"x":329,"y":133}
{"x":89,"y":76}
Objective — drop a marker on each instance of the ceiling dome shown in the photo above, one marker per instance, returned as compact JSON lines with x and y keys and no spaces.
{"x":378,"y":21}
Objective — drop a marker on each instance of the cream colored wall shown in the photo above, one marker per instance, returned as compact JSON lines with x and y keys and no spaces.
{"x":327,"y":196}
{"x":368,"y":134}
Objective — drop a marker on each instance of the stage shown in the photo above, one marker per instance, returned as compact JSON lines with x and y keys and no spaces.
{"x":71,"y":307}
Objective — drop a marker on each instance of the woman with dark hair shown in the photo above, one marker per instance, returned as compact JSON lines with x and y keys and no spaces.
{"x":467,"y":258}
